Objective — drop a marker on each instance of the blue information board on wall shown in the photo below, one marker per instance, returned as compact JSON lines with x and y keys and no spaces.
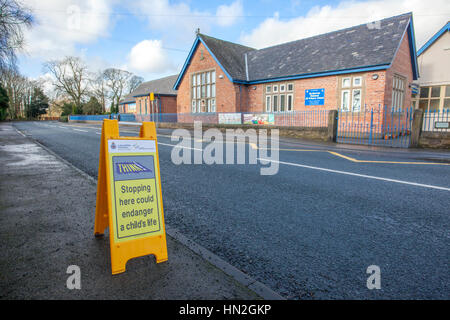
{"x":315,"y":97}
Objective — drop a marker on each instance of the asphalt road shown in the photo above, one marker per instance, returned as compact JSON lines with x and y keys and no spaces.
{"x":311,"y":230}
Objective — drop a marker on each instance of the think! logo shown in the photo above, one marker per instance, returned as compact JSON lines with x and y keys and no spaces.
{"x":130,"y":167}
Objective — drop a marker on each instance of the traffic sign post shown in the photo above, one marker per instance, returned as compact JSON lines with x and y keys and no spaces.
{"x":129,"y":197}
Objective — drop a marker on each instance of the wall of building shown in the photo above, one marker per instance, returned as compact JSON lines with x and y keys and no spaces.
{"x":434,"y":63}
{"x":373,"y":93}
{"x":227,"y":93}
{"x":401,"y":66}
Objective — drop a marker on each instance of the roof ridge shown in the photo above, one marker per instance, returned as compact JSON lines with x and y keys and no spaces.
{"x":174,"y":75}
{"x":233,"y":43}
{"x":335,"y":31}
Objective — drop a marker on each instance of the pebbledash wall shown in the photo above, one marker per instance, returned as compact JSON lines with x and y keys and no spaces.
{"x":232,"y":97}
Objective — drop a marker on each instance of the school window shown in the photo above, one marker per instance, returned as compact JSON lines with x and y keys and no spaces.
{"x":268,"y":104}
{"x":145,"y":106}
{"x":345,"y":100}
{"x":434,"y":98}
{"x":275,"y":103}
{"x":356,"y":99}
{"x":398,"y":93}
{"x":282,"y":102}
{"x":346,"y":82}
{"x":279,"y":98}
{"x":203,"y":92}
{"x":351,"y":94}
{"x":290,"y":102}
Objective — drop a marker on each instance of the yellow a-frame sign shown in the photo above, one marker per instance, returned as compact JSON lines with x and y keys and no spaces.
{"x":129,"y":197}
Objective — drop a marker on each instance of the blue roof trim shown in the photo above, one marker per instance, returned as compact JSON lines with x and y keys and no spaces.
{"x":127,"y":102}
{"x":188,"y":62}
{"x":412,"y":49}
{"x":215,"y":59}
{"x":434,"y":38}
{"x":159,"y":94}
{"x":320,"y":74}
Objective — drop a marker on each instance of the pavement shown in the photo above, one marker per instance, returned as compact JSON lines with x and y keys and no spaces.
{"x":46,"y":225}
{"x":311,"y":230}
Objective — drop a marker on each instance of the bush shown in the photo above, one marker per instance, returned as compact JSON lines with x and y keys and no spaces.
{"x":64,"y":118}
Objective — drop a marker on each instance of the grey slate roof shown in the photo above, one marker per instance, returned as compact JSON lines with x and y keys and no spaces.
{"x":158,"y":86}
{"x":230,"y":55}
{"x":360,"y":46}
{"x":127,"y":99}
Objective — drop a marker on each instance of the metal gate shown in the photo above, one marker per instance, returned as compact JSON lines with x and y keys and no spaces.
{"x":376,"y":126}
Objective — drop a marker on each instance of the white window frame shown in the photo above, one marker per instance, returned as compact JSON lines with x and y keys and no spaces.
{"x":273,"y":103}
{"x":349,"y":82}
{"x":268,"y":89}
{"x":360,"y":81}
{"x":282,"y":88}
{"x":353,"y":100}
{"x":398,"y":92}
{"x":348,"y":101}
{"x":291,"y":107}
{"x":287,"y":87}
{"x":275,"y":89}
{"x":203,"y":88}
{"x":268,"y":103}
{"x":282,"y":105}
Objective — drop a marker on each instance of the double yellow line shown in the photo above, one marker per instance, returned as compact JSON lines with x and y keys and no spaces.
{"x":254,"y":146}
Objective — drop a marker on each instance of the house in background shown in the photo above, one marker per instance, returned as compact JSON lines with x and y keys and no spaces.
{"x":434,"y":65}
{"x":165,"y":98}
{"x":372,"y":64}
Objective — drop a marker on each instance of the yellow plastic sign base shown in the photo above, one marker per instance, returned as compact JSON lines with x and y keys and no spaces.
{"x":129,"y":197}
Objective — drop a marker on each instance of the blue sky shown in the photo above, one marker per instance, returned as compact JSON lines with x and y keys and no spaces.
{"x":152,"y":38}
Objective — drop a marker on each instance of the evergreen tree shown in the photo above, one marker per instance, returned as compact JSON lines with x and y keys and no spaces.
{"x":4,"y":103}
{"x":38,"y":104}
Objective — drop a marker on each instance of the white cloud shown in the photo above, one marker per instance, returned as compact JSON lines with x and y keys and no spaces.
{"x":61,"y":24}
{"x":228,"y":15}
{"x":178,"y":21}
{"x":429,"y":16}
{"x":148,"y":56}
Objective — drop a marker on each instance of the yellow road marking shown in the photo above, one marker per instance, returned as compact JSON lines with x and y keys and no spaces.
{"x":383,"y":161}
{"x":255,"y":147}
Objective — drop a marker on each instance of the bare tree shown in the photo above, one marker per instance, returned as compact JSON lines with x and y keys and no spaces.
{"x":99,"y":89}
{"x":134,"y":82}
{"x":18,"y":89}
{"x":71,"y":78}
{"x":117,"y":82}
{"x":13,"y":18}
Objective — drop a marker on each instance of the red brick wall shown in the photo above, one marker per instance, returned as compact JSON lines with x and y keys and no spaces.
{"x":168,"y":104}
{"x":401,"y":66}
{"x":373,"y":92}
